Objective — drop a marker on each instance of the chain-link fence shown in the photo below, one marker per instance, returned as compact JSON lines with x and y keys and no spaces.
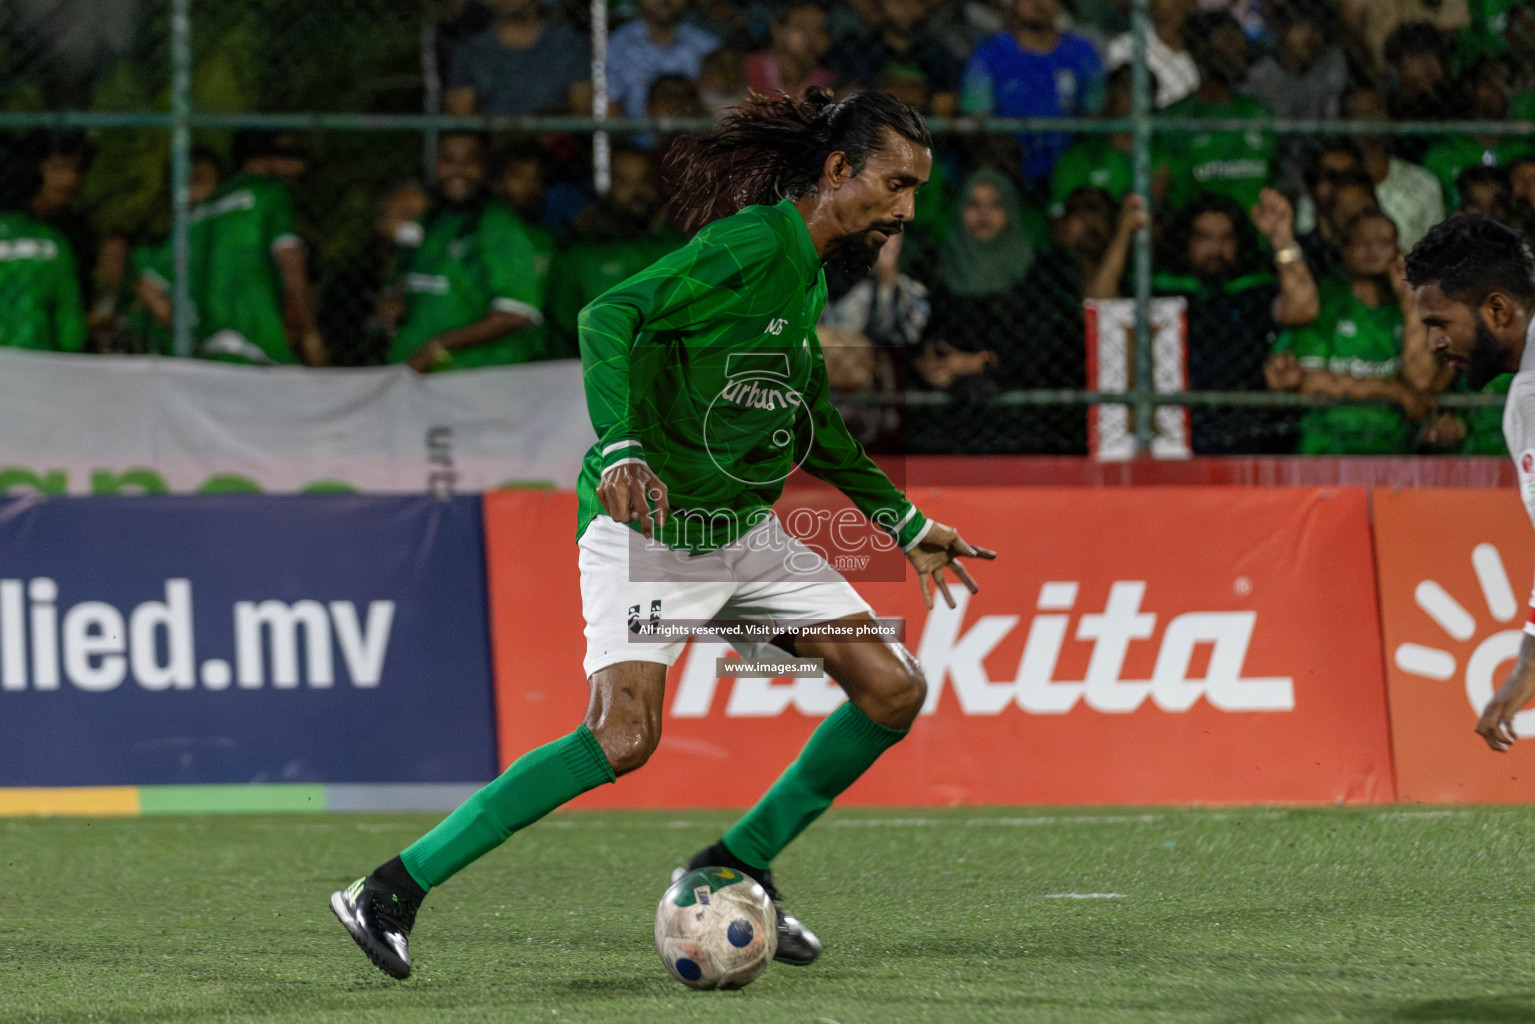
{"x":1166,"y":226}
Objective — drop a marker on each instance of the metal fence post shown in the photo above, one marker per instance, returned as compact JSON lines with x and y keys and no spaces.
{"x":181,"y":173}
{"x":432,"y":97}
{"x":1140,"y":114}
{"x":601,"y":154}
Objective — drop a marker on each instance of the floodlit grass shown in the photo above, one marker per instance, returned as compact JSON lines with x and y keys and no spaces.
{"x":1381,"y":914}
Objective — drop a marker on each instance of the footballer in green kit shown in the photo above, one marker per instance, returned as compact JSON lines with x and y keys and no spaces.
{"x":707,"y":388}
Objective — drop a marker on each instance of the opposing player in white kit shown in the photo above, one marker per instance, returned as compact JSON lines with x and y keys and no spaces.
{"x":1474,"y":280}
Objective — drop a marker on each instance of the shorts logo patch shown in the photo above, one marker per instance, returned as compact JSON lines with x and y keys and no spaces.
{"x":634,"y":616}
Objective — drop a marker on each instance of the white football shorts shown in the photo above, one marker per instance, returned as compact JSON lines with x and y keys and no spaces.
{"x":624,"y":577}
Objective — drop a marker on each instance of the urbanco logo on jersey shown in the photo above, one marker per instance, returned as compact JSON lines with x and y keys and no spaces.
{"x":758,"y":429}
{"x":953,"y":655}
{"x":1479,"y":632}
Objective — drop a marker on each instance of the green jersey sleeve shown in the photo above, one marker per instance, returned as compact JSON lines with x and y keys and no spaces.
{"x":711,"y":280}
{"x":68,"y":309}
{"x":513,"y":280}
{"x":276,"y":216}
{"x":838,"y":458}
{"x":563,"y":304}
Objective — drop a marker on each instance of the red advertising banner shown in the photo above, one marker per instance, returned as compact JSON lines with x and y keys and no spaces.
{"x":1455,"y":569}
{"x":1168,"y":645}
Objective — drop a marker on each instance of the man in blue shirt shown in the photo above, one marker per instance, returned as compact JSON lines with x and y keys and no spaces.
{"x":1035,"y":70}
{"x":524,"y":63}
{"x":656,"y":43}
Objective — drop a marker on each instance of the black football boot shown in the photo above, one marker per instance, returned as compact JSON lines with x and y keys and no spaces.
{"x":379,"y":922}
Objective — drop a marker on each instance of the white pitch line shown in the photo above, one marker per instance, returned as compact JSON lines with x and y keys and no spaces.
{"x":1051,"y":819}
{"x":1420,"y":815}
{"x":1083,"y":896}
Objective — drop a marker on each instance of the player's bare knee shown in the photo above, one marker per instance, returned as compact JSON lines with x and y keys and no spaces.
{"x":627,"y":746}
{"x":625,"y":712}
{"x":898,"y":694}
{"x":908,"y":693}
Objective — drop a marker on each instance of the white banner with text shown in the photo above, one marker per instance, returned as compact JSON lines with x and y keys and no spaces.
{"x":88,"y":424}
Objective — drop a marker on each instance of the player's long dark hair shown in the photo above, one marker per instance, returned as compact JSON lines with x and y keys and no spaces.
{"x":774,"y":147}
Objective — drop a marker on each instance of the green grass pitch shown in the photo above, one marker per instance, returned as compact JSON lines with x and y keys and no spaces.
{"x":1377,"y":914}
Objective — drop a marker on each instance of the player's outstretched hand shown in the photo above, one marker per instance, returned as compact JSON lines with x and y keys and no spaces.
{"x":940,"y":549}
{"x":1497,"y":722}
{"x":627,"y":493}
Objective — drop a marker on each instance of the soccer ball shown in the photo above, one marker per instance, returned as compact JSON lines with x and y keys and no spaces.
{"x":716,"y":928}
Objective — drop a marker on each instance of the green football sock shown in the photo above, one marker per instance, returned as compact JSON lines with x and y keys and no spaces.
{"x":535,"y":784}
{"x":841,"y":749}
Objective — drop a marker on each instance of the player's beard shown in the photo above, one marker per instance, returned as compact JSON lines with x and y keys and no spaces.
{"x":854,"y":256}
{"x":1486,"y":358}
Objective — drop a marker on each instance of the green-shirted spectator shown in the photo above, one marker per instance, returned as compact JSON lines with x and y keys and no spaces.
{"x":1101,"y":161}
{"x":521,"y":177}
{"x":1501,"y":26}
{"x":63,"y":159}
{"x":1477,"y":430}
{"x":149,"y":319}
{"x":474,"y":286}
{"x":40,"y":304}
{"x":150,"y":265}
{"x":1238,"y":164}
{"x":623,"y":234}
{"x":248,"y":274}
{"x":1453,"y":154}
{"x":1354,"y":349}
{"x":1518,"y":36}
{"x":1486,"y":192}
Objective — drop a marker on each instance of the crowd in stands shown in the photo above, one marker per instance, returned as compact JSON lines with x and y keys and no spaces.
{"x":1286,"y":247}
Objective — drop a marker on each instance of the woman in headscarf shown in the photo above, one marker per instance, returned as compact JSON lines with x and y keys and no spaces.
{"x":978,"y":272}
{"x":980,"y":341}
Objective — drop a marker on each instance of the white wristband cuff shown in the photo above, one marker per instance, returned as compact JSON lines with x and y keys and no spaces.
{"x":918,"y":538}
{"x":622,"y":462}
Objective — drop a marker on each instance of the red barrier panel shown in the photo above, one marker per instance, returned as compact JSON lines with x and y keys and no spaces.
{"x":1173,"y":645}
{"x":1455,"y":569}
{"x":1222,"y":470}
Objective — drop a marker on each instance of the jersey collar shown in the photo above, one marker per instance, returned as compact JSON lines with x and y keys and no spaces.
{"x":802,"y":253}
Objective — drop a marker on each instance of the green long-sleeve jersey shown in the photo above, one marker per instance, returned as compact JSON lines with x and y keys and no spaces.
{"x":39,"y":294}
{"x":706,"y":367}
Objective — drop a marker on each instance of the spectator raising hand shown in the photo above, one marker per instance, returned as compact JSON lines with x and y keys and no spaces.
{"x":1275,"y":219}
{"x":1216,"y":264}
